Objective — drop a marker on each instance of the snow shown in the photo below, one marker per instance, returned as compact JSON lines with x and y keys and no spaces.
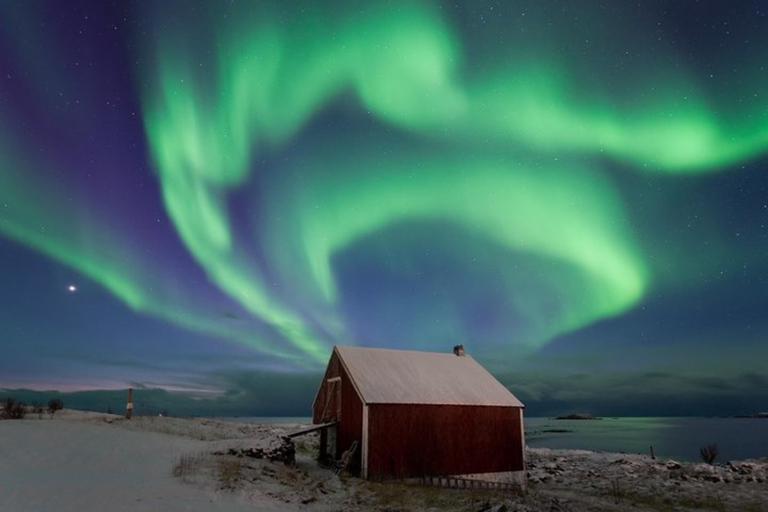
{"x":75,"y":465}
{"x":86,"y":461}
{"x":412,"y":377}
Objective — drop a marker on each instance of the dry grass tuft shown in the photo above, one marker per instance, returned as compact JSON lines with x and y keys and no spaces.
{"x":230,"y":471}
{"x":189,"y":466}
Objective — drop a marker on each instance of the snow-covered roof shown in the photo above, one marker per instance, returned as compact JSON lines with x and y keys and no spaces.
{"x":411,"y":377}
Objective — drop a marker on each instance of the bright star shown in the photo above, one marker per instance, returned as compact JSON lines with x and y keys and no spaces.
{"x":72,"y":288}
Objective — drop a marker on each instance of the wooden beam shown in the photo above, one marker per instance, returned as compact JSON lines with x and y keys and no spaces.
{"x":309,"y":430}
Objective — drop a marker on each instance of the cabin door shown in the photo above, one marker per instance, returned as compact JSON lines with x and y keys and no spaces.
{"x":332,"y":410}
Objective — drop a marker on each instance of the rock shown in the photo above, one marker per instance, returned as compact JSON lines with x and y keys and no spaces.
{"x":286,"y":453}
{"x":673,"y":465}
{"x":742,"y":468}
{"x":576,"y":416}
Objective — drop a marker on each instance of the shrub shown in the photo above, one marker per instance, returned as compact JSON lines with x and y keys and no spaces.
{"x":13,"y":409}
{"x":55,"y":404}
{"x":37,"y":408}
{"x":708,"y":453}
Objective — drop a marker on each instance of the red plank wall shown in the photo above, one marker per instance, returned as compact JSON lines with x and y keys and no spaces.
{"x":351,"y":426}
{"x":411,"y":440}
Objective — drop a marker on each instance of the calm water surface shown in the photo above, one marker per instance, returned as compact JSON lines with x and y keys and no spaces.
{"x":676,"y":438}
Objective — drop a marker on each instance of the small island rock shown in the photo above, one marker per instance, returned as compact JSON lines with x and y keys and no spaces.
{"x":576,"y":416}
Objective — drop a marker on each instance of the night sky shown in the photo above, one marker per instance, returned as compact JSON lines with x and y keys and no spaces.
{"x":205,"y":197}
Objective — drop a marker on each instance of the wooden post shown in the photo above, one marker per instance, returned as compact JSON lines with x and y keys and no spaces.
{"x":323,"y":455}
{"x":129,"y":404}
{"x":653,"y":456}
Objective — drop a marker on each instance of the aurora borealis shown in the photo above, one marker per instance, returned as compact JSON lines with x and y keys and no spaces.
{"x":574,"y":191}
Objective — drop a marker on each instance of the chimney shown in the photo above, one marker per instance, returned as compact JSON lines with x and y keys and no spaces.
{"x":459,"y":350}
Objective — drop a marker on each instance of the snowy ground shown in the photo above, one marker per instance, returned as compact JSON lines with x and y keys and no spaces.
{"x":78,"y":462}
{"x":86,"y":461}
{"x":583,"y":480}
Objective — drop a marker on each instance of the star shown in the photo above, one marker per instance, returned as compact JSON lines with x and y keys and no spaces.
{"x":72,"y":288}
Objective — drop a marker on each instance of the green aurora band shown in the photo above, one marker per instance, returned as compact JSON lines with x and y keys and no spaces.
{"x":579,"y":225}
{"x":402,"y":63}
{"x":49,"y":229}
{"x":41,"y":215}
{"x":210,"y":122}
{"x":206,"y":134}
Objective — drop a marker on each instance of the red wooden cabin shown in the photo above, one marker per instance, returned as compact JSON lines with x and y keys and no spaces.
{"x":416,"y":414}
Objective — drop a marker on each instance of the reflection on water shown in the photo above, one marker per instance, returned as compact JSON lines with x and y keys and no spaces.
{"x":675,"y":438}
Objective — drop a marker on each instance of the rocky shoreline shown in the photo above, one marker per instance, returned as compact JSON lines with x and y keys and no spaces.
{"x":610,"y":481}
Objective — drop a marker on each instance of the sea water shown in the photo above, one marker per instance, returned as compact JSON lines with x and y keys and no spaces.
{"x":671,"y":438}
